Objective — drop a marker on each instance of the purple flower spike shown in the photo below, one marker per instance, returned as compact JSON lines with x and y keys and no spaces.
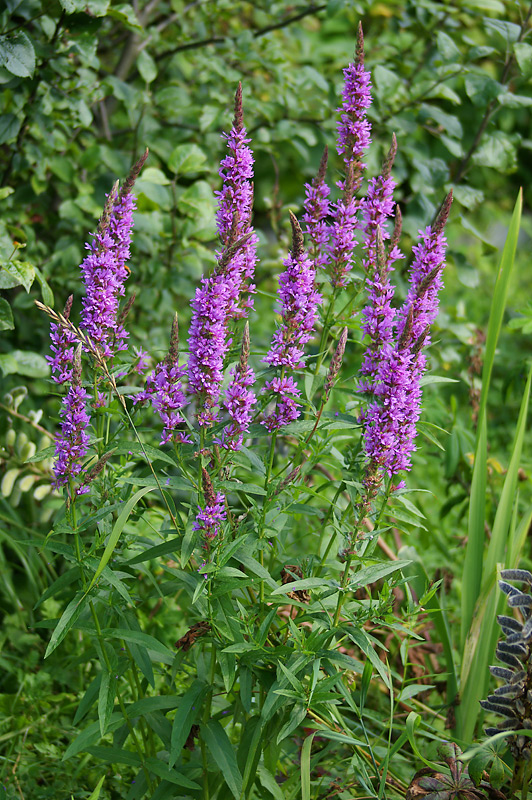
{"x":354,"y":128}
{"x":239,"y":399}
{"x":390,"y":423}
{"x":104,"y":269}
{"x":72,"y":443}
{"x":235,"y":204}
{"x":208,"y":345}
{"x":316,"y":212}
{"x":299,"y":306}
{"x":226,"y":293}
{"x":210,"y":518}
{"x":63,"y":346}
{"x":284,"y":391}
{"x":353,"y":140}
{"x":377,"y":208}
{"x":165,"y":391}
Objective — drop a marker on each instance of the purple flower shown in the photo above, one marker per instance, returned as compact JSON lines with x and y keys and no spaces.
{"x":63,"y":346}
{"x":104,"y":269}
{"x":72,"y":443}
{"x":208,"y":345}
{"x":316,"y":212}
{"x":143,"y":359}
{"x":390,"y":422}
{"x":284,"y":390}
{"x":353,"y":140}
{"x":299,"y":306}
{"x":165,"y":391}
{"x":239,"y":399}
{"x":379,"y":315}
{"x":227,"y":293}
{"x":211,"y":516}
{"x":235,"y":205}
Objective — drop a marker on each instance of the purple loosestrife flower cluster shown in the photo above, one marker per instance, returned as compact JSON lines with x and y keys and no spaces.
{"x":235,"y":205}
{"x":239,"y":399}
{"x":316,"y":212}
{"x":390,"y":421}
{"x":104,"y":269}
{"x":299,"y":307}
{"x":353,"y":140}
{"x":210,"y":518}
{"x":379,"y":315}
{"x":73,"y":441}
{"x":165,"y":391}
{"x":63,"y":347}
{"x":225,"y":294}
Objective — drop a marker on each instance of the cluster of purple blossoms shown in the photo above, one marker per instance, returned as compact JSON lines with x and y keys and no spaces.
{"x":209,"y":519}
{"x":233,"y":217}
{"x":165,"y":392}
{"x":299,"y":308}
{"x":390,"y":421}
{"x":239,"y":400}
{"x":73,"y":442}
{"x":226,"y":293}
{"x":104,"y":275}
{"x":63,"y":347}
{"x":316,"y":213}
{"x":333,"y":244}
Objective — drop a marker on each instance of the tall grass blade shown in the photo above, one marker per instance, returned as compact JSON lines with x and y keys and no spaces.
{"x":480,"y":646}
{"x":472,"y":574}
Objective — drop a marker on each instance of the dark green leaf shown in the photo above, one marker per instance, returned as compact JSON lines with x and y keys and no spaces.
{"x":223,"y":754}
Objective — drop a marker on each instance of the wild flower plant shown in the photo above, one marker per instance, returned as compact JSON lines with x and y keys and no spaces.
{"x":226,"y":498}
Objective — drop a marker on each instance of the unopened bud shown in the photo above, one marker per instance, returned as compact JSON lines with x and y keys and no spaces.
{"x":336,"y":363}
{"x":68,"y":307}
{"x":350,"y":182}
{"x":290,"y":478}
{"x":208,"y":489}
{"x":127,"y":308}
{"x":76,"y":372}
{"x":443,"y":214}
{"x":297,"y":236}
{"x":133,"y":174}
{"x":173,"y":350}
{"x":98,"y":467}
{"x":390,"y":158}
{"x":379,"y":250}
{"x":428,"y":280}
{"x":238,"y":121}
{"x":244,"y":351}
{"x":397,"y":228}
{"x":407,"y":330}
{"x":420,"y":341}
{"x":320,"y":177}
{"x":360,"y":45}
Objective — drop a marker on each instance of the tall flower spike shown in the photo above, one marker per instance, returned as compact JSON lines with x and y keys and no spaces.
{"x":104,"y":270}
{"x":353,"y":141}
{"x":210,"y":518}
{"x":390,"y":423}
{"x":299,"y":307}
{"x":316,"y":211}
{"x":226,"y":293}
{"x":63,"y":346}
{"x":377,"y":208}
{"x":165,"y":391}
{"x":72,"y":443}
{"x":235,"y":205}
{"x":239,"y":399}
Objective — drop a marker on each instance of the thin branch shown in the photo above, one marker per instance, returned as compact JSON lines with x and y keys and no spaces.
{"x":313,"y":9}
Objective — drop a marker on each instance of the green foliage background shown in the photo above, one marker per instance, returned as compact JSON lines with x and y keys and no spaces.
{"x":86,"y":86}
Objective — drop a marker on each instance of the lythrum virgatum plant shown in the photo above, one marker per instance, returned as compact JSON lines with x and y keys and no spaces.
{"x":257,"y":516}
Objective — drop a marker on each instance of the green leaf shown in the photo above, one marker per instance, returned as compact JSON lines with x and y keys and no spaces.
{"x":447,"y":47}
{"x":16,"y":273}
{"x":305,"y":766}
{"x":223,"y":754}
{"x":375,"y":572}
{"x":106,"y":698}
{"x":185,"y":716}
{"x":300,"y":585}
{"x":297,"y":715}
{"x":9,"y":128}
{"x":17,"y":54}
{"x":47,"y":294}
{"x":170,"y":546}
{"x":96,"y":793}
{"x":146,"y":66}
{"x":497,"y":150}
{"x":171,"y":775}
{"x":523,"y":55}
{"x":8,"y":365}
{"x":6,"y":316}
{"x":187,"y":158}
{"x":117,"y":530}
{"x":125,"y":14}
{"x":386,"y":81}
{"x":31,"y":364}
{"x":138,"y":637}
{"x":66,"y":621}
{"x":481,"y":89}
{"x":88,"y":699}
